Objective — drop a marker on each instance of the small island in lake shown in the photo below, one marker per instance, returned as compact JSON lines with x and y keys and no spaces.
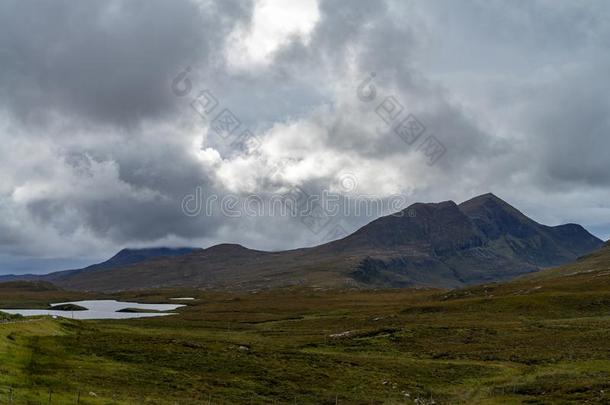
{"x":139,"y":310}
{"x":67,"y":307}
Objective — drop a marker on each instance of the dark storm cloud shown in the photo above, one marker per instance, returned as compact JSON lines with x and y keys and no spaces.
{"x":106,"y":61}
{"x":569,"y":116}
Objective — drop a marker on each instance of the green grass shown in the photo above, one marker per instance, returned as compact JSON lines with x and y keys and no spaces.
{"x":477,"y":346}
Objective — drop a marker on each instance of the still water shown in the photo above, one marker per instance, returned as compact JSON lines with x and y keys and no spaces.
{"x":100,"y":309}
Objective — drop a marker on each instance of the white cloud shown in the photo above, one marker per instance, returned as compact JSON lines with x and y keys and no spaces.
{"x":274,"y":23}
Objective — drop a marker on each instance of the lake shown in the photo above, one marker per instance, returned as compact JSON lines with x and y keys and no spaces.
{"x":100,"y":309}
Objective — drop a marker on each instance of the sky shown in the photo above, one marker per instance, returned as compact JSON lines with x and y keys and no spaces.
{"x":135,"y":123}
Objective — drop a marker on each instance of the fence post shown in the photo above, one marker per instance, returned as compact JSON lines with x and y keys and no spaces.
{"x":78,"y":398}
{"x":50,"y":394}
{"x":10,"y":395}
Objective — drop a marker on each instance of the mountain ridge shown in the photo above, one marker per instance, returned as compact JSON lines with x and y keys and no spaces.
{"x":483,"y":239}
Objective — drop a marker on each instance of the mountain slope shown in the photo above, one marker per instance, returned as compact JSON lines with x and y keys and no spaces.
{"x":595,"y":265}
{"x":439,"y":244}
{"x":588,"y":278}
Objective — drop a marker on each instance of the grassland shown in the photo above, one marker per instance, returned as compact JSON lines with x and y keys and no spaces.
{"x":496,"y":344}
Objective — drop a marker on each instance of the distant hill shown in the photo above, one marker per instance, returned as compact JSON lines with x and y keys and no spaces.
{"x":123,"y":258}
{"x":128,"y":257}
{"x":436,"y":244}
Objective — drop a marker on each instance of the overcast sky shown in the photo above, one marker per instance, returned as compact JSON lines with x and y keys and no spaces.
{"x":102,"y":148}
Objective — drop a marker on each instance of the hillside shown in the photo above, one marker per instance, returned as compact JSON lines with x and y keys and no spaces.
{"x":589,"y":275}
{"x":436,"y":244}
{"x":596,"y":265}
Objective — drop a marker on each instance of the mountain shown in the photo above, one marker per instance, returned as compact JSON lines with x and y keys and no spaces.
{"x":481,"y":240}
{"x":426,"y":245}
